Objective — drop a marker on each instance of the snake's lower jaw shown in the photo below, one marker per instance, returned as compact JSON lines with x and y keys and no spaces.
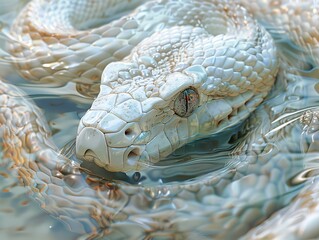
{"x":91,"y":145}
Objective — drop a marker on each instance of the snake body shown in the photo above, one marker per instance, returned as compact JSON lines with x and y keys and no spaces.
{"x":227,"y":63}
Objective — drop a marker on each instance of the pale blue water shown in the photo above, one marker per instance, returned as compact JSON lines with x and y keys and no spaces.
{"x":21,"y":217}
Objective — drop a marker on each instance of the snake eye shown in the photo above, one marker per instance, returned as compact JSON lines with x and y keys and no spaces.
{"x":186,"y":102}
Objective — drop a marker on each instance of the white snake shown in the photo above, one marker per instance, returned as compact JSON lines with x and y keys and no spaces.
{"x":173,"y":72}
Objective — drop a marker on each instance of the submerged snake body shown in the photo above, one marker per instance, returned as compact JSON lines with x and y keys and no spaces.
{"x":216,"y":205}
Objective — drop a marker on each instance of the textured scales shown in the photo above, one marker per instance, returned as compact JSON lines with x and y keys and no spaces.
{"x":211,"y":46}
{"x":120,"y":210}
{"x":231,"y":72}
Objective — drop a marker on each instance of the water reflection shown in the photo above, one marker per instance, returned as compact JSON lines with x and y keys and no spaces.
{"x":229,"y":181}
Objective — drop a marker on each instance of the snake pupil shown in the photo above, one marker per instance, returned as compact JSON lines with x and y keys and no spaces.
{"x":186,"y":102}
{"x":186,"y":98}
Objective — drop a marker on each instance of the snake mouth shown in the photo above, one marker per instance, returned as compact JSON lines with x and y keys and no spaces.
{"x":133,"y":156}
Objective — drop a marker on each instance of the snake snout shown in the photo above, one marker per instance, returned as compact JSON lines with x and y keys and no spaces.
{"x":91,"y":145}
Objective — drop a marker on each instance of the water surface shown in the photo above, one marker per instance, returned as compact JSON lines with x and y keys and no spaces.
{"x":23,"y":218}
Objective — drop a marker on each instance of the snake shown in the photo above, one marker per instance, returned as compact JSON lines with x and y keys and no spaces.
{"x":162,"y":74}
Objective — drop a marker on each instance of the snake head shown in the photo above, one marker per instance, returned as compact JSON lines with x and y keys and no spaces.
{"x":136,"y":122}
{"x":139,"y":118}
{"x":165,"y":94}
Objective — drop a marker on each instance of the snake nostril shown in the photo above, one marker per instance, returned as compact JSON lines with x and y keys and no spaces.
{"x":129,"y":132}
{"x":133,"y":155}
{"x":127,"y":135}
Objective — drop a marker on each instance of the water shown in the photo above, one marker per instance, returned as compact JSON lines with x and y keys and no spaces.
{"x":86,"y":197}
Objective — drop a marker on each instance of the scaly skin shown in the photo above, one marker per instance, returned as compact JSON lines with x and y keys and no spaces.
{"x":224,"y":56}
{"x":218,"y":205}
